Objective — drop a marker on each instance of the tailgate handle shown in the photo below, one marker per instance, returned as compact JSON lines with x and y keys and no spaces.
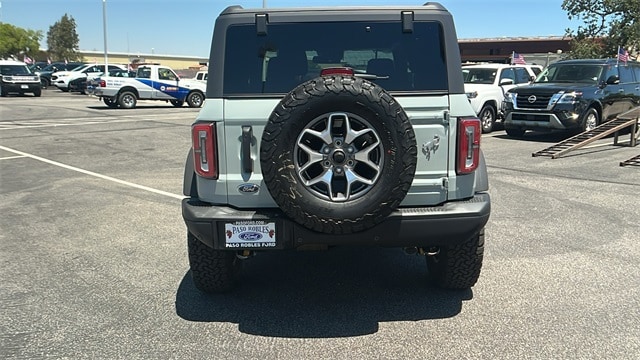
{"x":247,"y":162}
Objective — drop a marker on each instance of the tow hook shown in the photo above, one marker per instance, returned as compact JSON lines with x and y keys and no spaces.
{"x":432,"y":251}
{"x":411,"y":250}
{"x":245,"y":254}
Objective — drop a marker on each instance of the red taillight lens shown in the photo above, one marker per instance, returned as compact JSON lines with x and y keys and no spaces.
{"x":204,"y":150}
{"x":103,"y":83}
{"x":469,"y":133}
{"x":337,"y":71}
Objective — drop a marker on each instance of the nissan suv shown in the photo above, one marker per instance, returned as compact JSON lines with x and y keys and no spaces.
{"x":573,"y":95}
{"x":362,"y":136}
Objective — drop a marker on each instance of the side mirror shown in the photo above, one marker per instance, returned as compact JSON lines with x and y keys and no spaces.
{"x":531,"y":78}
{"x":506,"y":82}
{"x":613,"y":80}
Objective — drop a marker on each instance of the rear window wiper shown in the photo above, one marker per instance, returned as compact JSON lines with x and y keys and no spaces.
{"x":371,"y":76}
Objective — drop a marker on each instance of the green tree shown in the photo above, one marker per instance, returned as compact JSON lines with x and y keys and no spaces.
{"x":607,"y":24}
{"x":17,"y":42}
{"x":62,"y":39}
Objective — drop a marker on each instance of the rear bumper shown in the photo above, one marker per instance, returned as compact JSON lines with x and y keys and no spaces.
{"x":447,"y":224}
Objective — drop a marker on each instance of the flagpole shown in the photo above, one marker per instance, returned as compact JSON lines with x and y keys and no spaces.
{"x":618,"y":56}
{"x":104,"y":30}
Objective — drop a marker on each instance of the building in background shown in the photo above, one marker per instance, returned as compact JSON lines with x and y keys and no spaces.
{"x":535,"y":50}
{"x":185,"y":66}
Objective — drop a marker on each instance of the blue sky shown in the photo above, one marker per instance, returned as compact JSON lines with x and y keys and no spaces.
{"x":184,"y":27}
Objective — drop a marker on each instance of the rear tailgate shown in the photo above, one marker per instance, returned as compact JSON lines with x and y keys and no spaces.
{"x":245,"y":186}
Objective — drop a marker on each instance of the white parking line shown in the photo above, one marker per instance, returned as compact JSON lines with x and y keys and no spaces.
{"x":12,"y":157}
{"x":91,"y":173}
{"x":34,"y":124}
{"x":27,"y":124}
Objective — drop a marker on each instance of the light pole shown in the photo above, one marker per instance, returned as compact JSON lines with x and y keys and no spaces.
{"x":104,"y":28}
{"x":264,"y":3}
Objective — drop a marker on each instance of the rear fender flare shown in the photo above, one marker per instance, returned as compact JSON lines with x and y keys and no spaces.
{"x":189,"y":187}
{"x":482,"y":178}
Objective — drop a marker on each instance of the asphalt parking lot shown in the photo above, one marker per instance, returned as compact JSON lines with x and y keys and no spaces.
{"x":93,"y":257}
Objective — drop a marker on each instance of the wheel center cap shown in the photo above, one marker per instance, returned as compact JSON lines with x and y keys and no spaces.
{"x":339,"y":157}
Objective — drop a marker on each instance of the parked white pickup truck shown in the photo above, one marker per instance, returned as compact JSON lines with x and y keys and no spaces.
{"x":152,"y":82}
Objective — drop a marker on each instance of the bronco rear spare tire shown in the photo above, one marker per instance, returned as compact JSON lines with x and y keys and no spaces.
{"x":338,"y":154}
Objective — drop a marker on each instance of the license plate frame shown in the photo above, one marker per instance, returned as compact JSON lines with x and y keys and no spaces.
{"x":250,"y":234}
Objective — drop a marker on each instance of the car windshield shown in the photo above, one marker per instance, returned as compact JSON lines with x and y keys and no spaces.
{"x":14,"y":70}
{"x":479,"y":75}
{"x":36,"y":67}
{"x":50,"y":67}
{"x":570,"y":73}
{"x":287,"y":56}
{"x":79,"y":68}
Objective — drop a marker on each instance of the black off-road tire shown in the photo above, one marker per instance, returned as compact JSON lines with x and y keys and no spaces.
{"x":37,"y":92}
{"x":127,"y":100}
{"x":457,"y":267}
{"x":212,"y":271}
{"x":3,"y":92}
{"x":487,"y":118}
{"x":302,"y":107}
{"x":110,"y":102}
{"x":195,"y":99}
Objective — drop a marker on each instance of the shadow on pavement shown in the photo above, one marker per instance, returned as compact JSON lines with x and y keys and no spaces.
{"x":542,"y":137}
{"x":339,"y":293}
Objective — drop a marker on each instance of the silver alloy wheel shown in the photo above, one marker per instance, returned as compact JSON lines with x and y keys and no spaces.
{"x":487,"y":119}
{"x":338,"y":156}
{"x":128,"y":100}
{"x":591,"y":121}
{"x":197,"y":100}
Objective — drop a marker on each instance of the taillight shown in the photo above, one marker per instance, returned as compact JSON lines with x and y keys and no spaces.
{"x":337,"y":71}
{"x":103,"y":83}
{"x":469,"y":133}
{"x":204,"y":150}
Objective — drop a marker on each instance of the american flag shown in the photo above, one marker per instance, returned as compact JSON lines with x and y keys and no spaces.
{"x":623,"y":55}
{"x":517,"y":59}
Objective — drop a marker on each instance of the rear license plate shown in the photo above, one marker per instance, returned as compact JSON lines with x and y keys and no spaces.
{"x":24,"y":86}
{"x":250,"y":234}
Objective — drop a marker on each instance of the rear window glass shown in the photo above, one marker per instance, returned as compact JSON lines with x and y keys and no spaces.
{"x":292,"y":53}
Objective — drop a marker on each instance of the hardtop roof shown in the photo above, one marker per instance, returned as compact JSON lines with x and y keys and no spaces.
{"x":429,"y":6}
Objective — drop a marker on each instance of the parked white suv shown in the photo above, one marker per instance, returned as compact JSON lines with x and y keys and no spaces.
{"x":61,"y":79}
{"x":487,"y":84}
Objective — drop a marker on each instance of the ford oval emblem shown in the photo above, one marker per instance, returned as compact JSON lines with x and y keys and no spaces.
{"x":248,"y":188}
{"x":250,"y":236}
{"x":532,"y":99}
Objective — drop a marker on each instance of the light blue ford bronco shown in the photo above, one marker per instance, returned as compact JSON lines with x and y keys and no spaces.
{"x":335,"y":126}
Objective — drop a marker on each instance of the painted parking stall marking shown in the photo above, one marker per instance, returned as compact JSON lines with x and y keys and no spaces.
{"x":91,"y":173}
